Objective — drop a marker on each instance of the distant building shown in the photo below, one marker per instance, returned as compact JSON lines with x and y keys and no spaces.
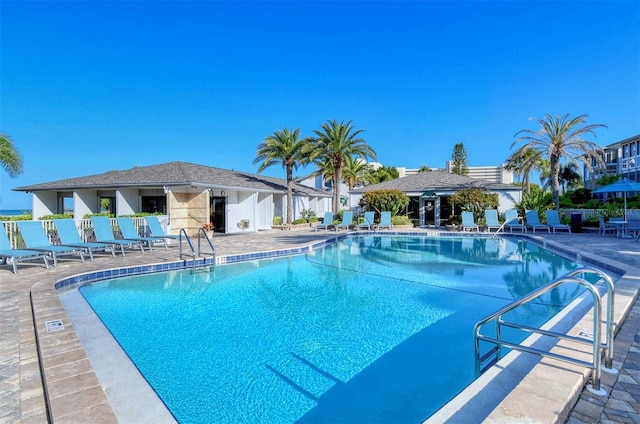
{"x":495,"y":174}
{"x":621,"y":158}
{"x":429,"y":194}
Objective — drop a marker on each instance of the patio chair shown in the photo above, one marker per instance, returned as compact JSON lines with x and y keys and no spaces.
{"x":17,"y":255}
{"x":156,"y":229}
{"x":104,"y":234}
{"x":513,"y":221}
{"x":69,"y":236}
{"x":633,"y":225}
{"x":35,"y":238}
{"x":491,"y":216}
{"x":368,"y":221}
{"x":533,"y":222}
{"x":468,"y":222}
{"x":553,"y":220}
{"x":347,"y":221}
{"x":326,"y":222}
{"x":129,"y":232}
{"x":385,"y":220}
{"x":603,"y":227}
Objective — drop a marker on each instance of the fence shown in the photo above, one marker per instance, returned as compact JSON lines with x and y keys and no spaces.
{"x":84,"y":227}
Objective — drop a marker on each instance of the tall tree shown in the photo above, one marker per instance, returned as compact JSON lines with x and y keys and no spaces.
{"x":562,"y":138}
{"x":459,"y":160}
{"x":354,"y":171}
{"x":335,"y":143}
{"x":522,"y":163}
{"x":10,"y":159}
{"x":569,"y":177}
{"x":424,"y":168}
{"x":283,"y":147}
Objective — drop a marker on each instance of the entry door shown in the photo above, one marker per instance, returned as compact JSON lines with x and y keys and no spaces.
{"x":429,"y":206}
{"x":219,"y":214}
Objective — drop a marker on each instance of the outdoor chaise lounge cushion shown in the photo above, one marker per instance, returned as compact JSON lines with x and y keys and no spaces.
{"x":347,"y":221}
{"x":35,"y":238}
{"x":385,"y":220}
{"x":468,"y":222}
{"x":491,"y":218}
{"x":104,"y":234}
{"x":553,"y":220}
{"x":327,"y":222}
{"x":69,"y":236}
{"x":512,"y":221}
{"x":533,"y":222}
{"x":156,"y":229}
{"x":17,"y":255}
{"x":368,"y":221}
{"x":129,"y":232}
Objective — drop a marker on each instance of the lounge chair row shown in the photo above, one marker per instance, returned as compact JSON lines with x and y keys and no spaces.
{"x":39,"y":247}
{"x":347,"y":221}
{"x":512,"y":221}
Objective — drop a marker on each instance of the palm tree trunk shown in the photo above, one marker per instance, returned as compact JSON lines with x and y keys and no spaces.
{"x":289,"y":195}
{"x":554,"y":164}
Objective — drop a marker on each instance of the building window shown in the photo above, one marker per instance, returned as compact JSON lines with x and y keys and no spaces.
{"x":154,"y":204}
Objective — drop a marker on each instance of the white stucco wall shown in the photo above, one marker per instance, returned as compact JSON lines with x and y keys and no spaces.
{"x":44,"y":203}
{"x":127,"y":201}
{"x":84,"y":202}
{"x":241,"y":205}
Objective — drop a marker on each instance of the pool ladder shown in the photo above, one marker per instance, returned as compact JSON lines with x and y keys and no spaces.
{"x":194,"y":252}
{"x":483,"y":362}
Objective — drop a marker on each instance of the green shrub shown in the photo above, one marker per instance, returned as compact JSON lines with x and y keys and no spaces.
{"x":384,"y":200}
{"x":55,"y":216}
{"x":400,"y":220}
{"x":23,"y":217}
{"x":277,"y":220}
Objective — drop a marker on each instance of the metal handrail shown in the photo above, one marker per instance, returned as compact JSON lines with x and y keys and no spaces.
{"x":201,"y":234}
{"x":596,"y":343}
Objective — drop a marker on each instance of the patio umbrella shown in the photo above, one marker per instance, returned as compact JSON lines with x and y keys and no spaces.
{"x":623,"y":185}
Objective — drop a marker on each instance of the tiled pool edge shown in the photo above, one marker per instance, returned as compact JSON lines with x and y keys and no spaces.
{"x":548,"y":392}
{"x":46,"y":308}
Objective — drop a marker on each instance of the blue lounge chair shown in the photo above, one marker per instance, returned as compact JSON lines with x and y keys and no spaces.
{"x":385,"y":220}
{"x":17,"y":255}
{"x":513,"y":221}
{"x":326,"y":222}
{"x":468,"y":222}
{"x":368,"y":221}
{"x":347,"y":221}
{"x":553,"y":220}
{"x":156,"y":229}
{"x":69,"y":236}
{"x":35,"y":238}
{"x":533,"y":222}
{"x":129,"y":232}
{"x":491,"y":218}
{"x":104,"y":234}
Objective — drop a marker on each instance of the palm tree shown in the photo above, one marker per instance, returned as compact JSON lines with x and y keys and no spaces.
{"x":523,"y":162}
{"x":283,"y":147}
{"x":335,"y":143}
{"x":354,"y":171}
{"x":569,"y":177}
{"x":561,"y":138}
{"x":10,"y":159}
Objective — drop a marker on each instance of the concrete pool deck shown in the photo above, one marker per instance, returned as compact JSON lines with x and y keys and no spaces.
{"x":74,"y":393}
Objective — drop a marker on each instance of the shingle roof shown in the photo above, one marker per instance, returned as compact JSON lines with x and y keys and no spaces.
{"x":434,"y":181}
{"x":174,"y":174}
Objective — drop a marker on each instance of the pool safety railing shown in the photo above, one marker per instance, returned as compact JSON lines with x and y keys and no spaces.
{"x":501,"y":228}
{"x":195,"y":252}
{"x":486,"y":360}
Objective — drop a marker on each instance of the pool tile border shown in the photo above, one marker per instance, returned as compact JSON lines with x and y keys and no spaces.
{"x":50,"y":305}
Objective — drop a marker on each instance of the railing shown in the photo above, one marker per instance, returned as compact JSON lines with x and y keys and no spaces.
{"x":84,"y":226}
{"x":598,"y":348}
{"x":193,"y":251}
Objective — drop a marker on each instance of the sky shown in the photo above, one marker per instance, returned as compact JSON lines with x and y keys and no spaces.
{"x":89,"y":87}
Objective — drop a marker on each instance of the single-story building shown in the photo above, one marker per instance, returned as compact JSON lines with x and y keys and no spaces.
{"x":429,"y":194}
{"x":190,"y":195}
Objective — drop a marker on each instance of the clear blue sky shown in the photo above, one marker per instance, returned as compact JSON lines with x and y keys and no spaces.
{"x":89,"y":87}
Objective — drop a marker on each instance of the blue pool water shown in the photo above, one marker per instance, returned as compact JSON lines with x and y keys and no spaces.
{"x":372,"y":329}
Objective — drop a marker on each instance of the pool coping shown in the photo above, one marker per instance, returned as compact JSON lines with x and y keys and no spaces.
{"x":63,"y":355}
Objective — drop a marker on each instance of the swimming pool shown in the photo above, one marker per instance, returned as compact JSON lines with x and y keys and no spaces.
{"x":373,"y":329}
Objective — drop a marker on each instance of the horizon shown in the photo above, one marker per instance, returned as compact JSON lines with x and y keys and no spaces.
{"x":88,"y":87}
